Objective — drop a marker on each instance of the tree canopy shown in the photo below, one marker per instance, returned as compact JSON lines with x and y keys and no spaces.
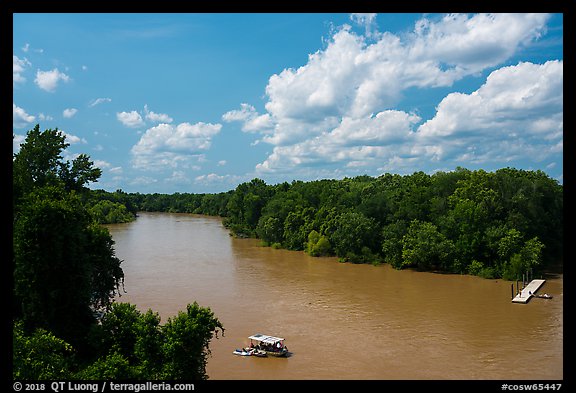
{"x":64,"y":264}
{"x":463,"y":221}
{"x":491,"y":224}
{"x":66,"y":276}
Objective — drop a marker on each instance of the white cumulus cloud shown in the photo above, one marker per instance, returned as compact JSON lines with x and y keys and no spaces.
{"x":220,"y":181}
{"x":69,"y":112}
{"x":131,"y":119}
{"x":18,"y":68}
{"x":354,"y":143}
{"x":156,"y":117}
{"x":339,"y":107}
{"x":20,"y":118}
{"x":251,"y":119}
{"x":48,"y":80}
{"x":518,"y":112}
{"x":368,"y":21}
{"x":166,"y":145}
{"x":73,"y":139}
{"x":134,"y":119}
{"x":470,"y":44}
{"x":518,"y":98}
{"x":44,"y":117}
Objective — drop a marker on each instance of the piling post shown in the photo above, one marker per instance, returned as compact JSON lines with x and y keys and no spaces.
{"x":523,"y":281}
{"x":512,"y":290}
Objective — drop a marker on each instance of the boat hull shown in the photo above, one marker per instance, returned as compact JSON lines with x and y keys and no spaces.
{"x":277,"y":354}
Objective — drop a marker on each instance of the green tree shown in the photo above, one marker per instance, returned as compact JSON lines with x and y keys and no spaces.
{"x":40,"y":355}
{"x":270,"y":229}
{"x":119,"y":331}
{"x":426,"y":248}
{"x":509,"y":244}
{"x":392,"y":235}
{"x":39,"y":163}
{"x":148,"y":346}
{"x":39,"y":160}
{"x":186,"y":343}
{"x":66,"y":273}
{"x":528,"y":258}
{"x":532,"y":252}
{"x":64,"y":267}
{"x":245,"y":205}
{"x":297,"y":225}
{"x":112,"y":366}
{"x":318,"y":245}
{"x":51,"y":276}
{"x":355,"y":237}
{"x":79,"y":172}
{"x":129,"y":343}
{"x":108,"y":212}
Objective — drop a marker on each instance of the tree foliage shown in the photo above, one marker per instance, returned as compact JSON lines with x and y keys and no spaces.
{"x":318,"y":245}
{"x":64,"y":265}
{"x":462,"y":221}
{"x":57,"y":259}
{"x":39,"y":355}
{"x":426,"y":248}
{"x":131,"y":344}
{"x":492,"y":224}
{"x":186,"y":345}
{"x":66,"y":273}
{"x":39,"y":163}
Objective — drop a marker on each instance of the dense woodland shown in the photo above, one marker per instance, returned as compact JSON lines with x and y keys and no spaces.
{"x":491,"y":224}
{"x":66,"y":324}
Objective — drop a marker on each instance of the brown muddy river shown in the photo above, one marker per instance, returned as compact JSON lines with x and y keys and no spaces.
{"x":340,"y":321}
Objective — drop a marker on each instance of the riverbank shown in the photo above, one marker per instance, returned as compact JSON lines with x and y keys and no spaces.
{"x":329,"y":311}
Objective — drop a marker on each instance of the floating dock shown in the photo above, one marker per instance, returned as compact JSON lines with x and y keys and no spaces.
{"x":528,"y":291}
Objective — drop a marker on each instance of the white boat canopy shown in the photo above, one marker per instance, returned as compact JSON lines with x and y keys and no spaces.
{"x":265,"y":339}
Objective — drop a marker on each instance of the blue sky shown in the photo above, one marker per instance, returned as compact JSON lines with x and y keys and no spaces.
{"x":200,"y":102}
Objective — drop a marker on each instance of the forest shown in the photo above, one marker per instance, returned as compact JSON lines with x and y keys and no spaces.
{"x":492,"y":224}
{"x":66,"y":323}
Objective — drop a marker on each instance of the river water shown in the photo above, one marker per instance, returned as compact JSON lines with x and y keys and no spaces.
{"x":340,"y":320}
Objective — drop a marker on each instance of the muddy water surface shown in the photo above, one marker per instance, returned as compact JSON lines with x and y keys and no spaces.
{"x":340,"y":321}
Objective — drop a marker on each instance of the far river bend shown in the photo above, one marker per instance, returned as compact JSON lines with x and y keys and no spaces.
{"x":340,"y":320}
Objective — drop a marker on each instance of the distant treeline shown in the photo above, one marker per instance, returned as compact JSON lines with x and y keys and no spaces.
{"x":491,"y":224}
